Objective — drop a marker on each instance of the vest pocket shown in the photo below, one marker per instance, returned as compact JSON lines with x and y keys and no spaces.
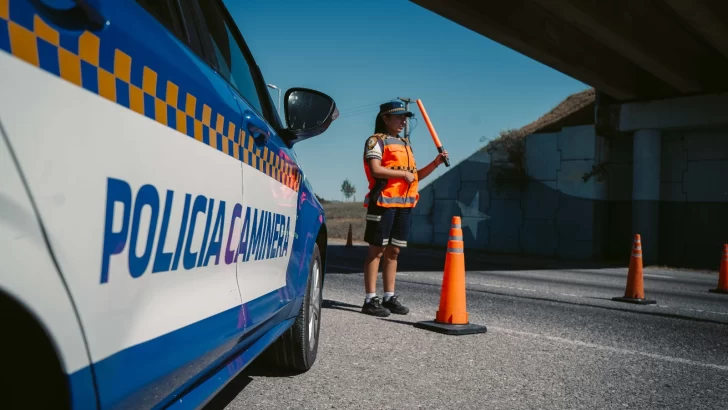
{"x":396,"y":156}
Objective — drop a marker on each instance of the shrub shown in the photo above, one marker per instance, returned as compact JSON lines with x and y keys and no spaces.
{"x":513,"y":173}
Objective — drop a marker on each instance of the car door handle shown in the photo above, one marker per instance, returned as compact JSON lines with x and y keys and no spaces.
{"x":255,"y":127}
{"x":83,"y":15}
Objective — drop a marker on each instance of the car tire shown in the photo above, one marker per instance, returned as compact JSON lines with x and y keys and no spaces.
{"x":296,"y":350}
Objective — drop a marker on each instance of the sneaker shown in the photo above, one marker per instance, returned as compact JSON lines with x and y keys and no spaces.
{"x":374,"y":308}
{"x":394,"y":306}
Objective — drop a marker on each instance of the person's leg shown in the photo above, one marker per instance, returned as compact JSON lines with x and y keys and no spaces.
{"x":389,"y":269}
{"x":378,"y":227}
{"x":398,"y":240}
{"x":371,"y":269}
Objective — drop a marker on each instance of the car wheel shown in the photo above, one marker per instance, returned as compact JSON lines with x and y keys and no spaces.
{"x":296,"y":350}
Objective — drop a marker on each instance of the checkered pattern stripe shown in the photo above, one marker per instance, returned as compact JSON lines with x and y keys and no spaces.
{"x":393,"y":110}
{"x":408,"y":169}
{"x":78,"y":62}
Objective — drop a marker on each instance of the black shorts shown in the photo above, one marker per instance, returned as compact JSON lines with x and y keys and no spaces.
{"x":387,"y":226}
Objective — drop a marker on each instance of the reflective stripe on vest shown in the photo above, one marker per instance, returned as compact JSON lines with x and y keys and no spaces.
{"x":395,"y":192}
{"x":398,"y":200}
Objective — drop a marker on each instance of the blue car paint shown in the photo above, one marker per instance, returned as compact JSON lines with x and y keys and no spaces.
{"x":160,"y":368}
{"x":183,"y":358}
{"x":308,"y":228}
{"x":212,"y":385}
{"x":82,"y":389}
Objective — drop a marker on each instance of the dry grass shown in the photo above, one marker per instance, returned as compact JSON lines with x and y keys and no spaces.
{"x":340,"y":215}
{"x":565,"y":108}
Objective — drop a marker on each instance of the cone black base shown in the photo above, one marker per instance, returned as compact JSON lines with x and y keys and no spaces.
{"x":634,"y":300}
{"x":448,"y":329}
{"x":725,"y":292}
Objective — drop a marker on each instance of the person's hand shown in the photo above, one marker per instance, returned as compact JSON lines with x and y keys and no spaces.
{"x":440,"y":159}
{"x":410,"y":177}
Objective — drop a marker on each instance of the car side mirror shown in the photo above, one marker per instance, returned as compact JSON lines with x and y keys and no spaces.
{"x":308,"y":113}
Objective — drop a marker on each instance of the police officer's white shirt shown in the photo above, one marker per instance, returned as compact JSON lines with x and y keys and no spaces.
{"x":374,"y":148}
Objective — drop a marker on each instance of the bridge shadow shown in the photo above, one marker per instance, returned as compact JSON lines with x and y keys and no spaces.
{"x":349,"y":260}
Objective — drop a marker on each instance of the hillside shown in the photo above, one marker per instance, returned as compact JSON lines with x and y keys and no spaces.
{"x":564,"y":109}
{"x":340,"y":215}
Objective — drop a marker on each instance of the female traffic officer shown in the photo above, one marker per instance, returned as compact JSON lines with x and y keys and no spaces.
{"x":393,"y":178}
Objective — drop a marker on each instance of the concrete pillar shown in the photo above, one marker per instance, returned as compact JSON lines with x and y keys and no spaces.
{"x":646,"y":191}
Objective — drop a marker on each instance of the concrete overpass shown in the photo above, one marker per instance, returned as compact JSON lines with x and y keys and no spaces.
{"x":659,"y":67}
{"x":627,"y":49}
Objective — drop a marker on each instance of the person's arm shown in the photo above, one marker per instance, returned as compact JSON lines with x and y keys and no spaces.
{"x":427,"y":169}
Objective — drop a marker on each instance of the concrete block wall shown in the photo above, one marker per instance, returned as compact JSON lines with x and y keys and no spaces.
{"x":555,"y":214}
{"x":559,"y":214}
{"x":619,"y":192}
{"x":462,"y":191}
{"x":539,"y":233}
{"x":693,"y":211}
{"x":505,"y":215}
{"x":694,"y":197}
{"x":581,"y":217}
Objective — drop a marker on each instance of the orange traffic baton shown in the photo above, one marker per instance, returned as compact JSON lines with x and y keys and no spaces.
{"x":452,"y":317}
{"x":433,"y":133}
{"x":634,"y":291}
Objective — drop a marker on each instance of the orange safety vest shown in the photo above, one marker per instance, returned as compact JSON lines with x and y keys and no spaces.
{"x":396,"y":192}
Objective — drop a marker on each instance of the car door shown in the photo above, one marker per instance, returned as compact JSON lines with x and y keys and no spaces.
{"x":270,"y":178}
{"x":127,"y":140}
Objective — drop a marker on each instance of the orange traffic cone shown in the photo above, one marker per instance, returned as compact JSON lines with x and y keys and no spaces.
{"x":723,"y":275}
{"x":348,"y":238}
{"x":634,"y":292}
{"x":452,"y":316}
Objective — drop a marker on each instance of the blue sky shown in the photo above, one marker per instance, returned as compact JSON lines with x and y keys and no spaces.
{"x":365,"y":52}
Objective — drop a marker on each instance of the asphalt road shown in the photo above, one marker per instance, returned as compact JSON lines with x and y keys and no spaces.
{"x":555,"y":340}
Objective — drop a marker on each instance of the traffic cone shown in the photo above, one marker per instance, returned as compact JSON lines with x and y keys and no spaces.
{"x":452,"y":316}
{"x":348,"y":238}
{"x":634,"y":292}
{"x":723,"y":275}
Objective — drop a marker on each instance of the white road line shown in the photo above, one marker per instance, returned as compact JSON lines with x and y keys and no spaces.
{"x":612,"y":349}
{"x":581,"y":296}
{"x":502,"y":287}
{"x":703,"y":311}
{"x":652,"y":275}
{"x":596,"y":346}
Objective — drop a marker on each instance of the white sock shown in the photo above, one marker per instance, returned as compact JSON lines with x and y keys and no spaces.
{"x":369,"y":297}
{"x":388,"y":295}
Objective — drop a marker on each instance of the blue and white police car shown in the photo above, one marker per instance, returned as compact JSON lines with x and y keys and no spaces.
{"x":157,"y":233}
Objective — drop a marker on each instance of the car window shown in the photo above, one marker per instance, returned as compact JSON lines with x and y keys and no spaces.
{"x":165,"y":14}
{"x":231,"y":61}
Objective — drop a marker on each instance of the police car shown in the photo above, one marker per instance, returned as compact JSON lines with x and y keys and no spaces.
{"x":157,"y":233}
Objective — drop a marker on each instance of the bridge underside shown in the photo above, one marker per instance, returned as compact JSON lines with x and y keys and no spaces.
{"x":629,"y":50}
{"x":660,"y":71}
